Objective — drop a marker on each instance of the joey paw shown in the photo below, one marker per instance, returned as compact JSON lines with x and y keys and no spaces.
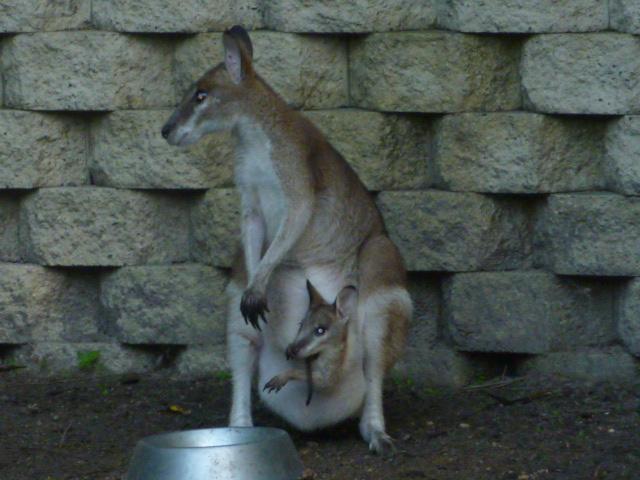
{"x":275,"y":384}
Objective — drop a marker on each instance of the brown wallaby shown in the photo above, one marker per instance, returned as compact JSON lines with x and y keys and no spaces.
{"x":321,"y":342}
{"x":305,"y":215}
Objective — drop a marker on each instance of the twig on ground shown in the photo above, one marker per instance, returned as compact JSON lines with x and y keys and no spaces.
{"x":496,"y":383}
{"x":64,"y":435}
{"x":596,"y":473}
{"x":524,"y":399}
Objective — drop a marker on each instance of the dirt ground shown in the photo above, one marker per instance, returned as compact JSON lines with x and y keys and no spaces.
{"x":532,"y":429}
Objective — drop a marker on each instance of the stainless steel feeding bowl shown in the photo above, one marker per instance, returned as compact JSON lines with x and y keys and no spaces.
{"x":216,"y":454}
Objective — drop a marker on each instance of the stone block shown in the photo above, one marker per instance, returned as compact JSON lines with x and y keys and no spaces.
{"x":589,"y":234}
{"x":327,"y":16}
{"x":434,"y":72}
{"x":87,"y":70}
{"x":628,"y":314}
{"x":41,"y":15}
{"x":498,"y":313}
{"x":308,"y":71}
{"x":580,"y":310}
{"x":9,"y":221}
{"x":612,"y":364}
{"x":51,"y":359}
{"x":42,"y":304}
{"x":171,"y":16}
{"x":517,"y":153}
{"x":201,"y":361}
{"x":523,"y":16}
{"x":526,"y":312}
{"x":624,"y":15}
{"x":42,"y":150}
{"x":622,"y":159}
{"x":582,"y":74}
{"x":437,"y":366}
{"x":388,"y":152}
{"x":215,"y":227}
{"x":129,"y":152}
{"x":177,"y":304}
{"x":103,"y":227}
{"x":446,"y":231}
{"x":424,"y":328}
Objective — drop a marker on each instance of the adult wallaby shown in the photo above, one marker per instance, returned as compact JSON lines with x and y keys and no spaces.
{"x":322,"y":342}
{"x":305,"y":215}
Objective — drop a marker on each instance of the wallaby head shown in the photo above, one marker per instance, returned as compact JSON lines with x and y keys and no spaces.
{"x":217,"y":100}
{"x":324,"y":324}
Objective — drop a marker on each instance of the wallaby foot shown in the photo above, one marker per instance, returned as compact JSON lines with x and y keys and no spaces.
{"x":276,"y":383}
{"x":381,"y":443}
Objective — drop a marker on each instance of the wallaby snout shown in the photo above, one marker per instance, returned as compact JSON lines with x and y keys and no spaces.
{"x":169,"y":128}
{"x":166,"y":130}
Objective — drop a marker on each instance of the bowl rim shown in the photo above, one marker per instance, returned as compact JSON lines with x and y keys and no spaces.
{"x":270,"y":433}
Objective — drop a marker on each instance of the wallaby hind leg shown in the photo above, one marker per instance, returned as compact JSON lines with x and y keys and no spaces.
{"x":288,"y":301}
{"x":384,"y":310}
{"x":243,"y":342}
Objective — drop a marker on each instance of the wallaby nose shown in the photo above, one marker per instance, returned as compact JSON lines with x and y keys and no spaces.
{"x":166,"y":130}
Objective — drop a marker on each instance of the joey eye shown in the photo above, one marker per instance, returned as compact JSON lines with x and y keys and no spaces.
{"x":200,"y":95}
{"x":320,"y":331}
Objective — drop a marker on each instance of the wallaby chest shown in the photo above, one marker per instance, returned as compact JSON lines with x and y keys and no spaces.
{"x":255,"y":173}
{"x":328,"y":367}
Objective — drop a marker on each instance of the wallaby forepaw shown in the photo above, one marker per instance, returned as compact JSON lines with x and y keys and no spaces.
{"x":275,"y":384}
{"x":253,"y":307}
{"x":381,"y":444}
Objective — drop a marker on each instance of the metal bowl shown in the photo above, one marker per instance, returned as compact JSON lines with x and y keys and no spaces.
{"x":216,"y":454}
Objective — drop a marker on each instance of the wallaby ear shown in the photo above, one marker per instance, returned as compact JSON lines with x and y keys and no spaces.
{"x":346,"y":303}
{"x":238,"y":53}
{"x":314,"y":296}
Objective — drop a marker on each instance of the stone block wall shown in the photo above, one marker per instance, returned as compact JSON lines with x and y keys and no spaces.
{"x":502,"y":139}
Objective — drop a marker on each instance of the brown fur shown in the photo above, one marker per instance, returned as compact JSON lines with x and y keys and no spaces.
{"x":380,"y":266}
{"x":395,"y":335}
{"x":381,"y":269}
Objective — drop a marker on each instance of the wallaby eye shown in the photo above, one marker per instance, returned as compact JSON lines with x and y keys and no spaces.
{"x":200,"y":95}
{"x":320,"y":331}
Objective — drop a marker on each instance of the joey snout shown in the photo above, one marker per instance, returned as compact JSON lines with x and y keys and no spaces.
{"x":292,"y":351}
{"x":298,"y":350}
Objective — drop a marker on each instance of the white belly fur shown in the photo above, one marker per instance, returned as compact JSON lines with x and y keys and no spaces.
{"x":326,"y":408}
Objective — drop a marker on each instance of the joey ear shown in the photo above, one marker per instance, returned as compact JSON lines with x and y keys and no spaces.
{"x":238,"y":53}
{"x":346,"y":303}
{"x":314,"y":296}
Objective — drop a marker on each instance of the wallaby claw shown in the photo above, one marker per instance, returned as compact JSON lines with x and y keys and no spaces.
{"x":253,"y":308}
